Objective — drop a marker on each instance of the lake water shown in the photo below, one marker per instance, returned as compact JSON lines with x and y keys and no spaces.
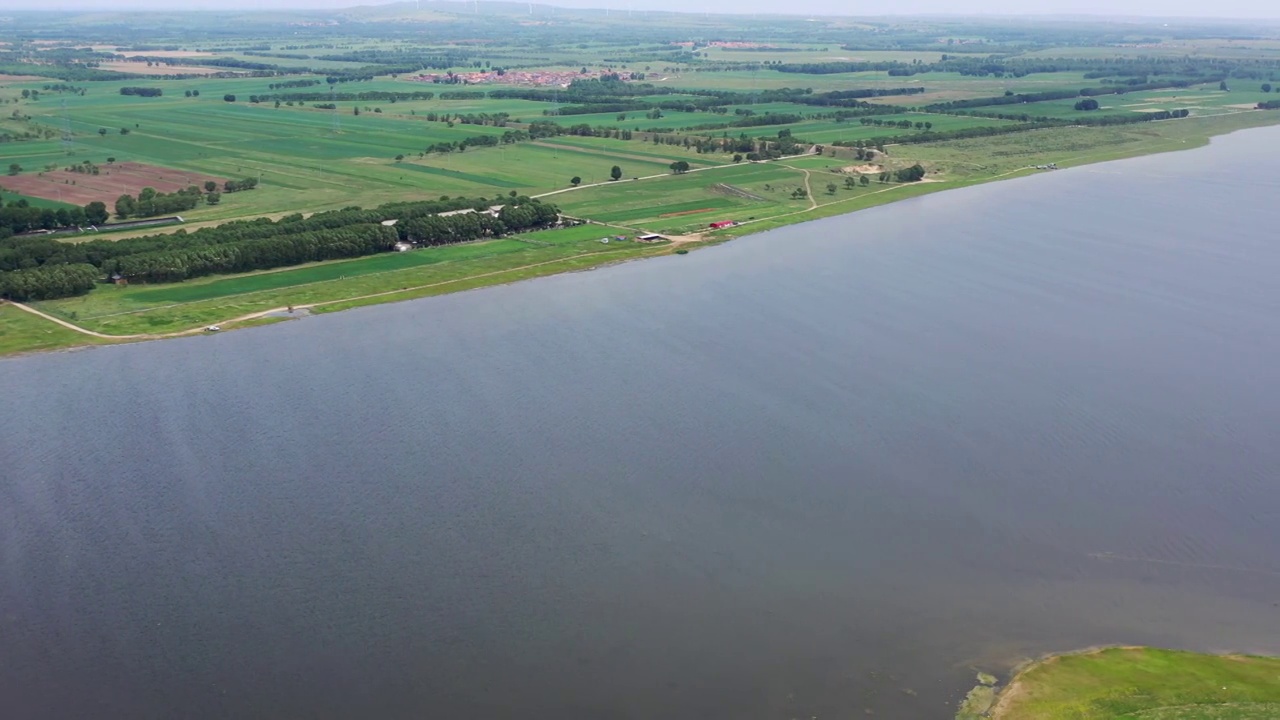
{"x":814,"y":472}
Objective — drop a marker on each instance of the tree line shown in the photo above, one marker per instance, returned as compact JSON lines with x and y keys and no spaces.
{"x":259,"y":244}
{"x":983,"y":65}
{"x":150,"y":203}
{"x":19,"y":217}
{"x":142,"y":91}
{"x":47,"y":283}
{"x":366,"y":96}
{"x":1010,"y":98}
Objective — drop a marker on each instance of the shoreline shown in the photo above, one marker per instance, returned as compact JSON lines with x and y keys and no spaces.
{"x":1208,"y":128}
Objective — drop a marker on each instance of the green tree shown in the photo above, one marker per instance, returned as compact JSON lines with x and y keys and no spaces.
{"x":831,"y":188}
{"x":110,"y":160}
{"x":102,"y":132}
{"x":229,"y":97}
{"x":679,"y":167}
{"x":400,"y":158}
{"x":615,"y":173}
{"x":575,"y":181}
{"x":210,"y":185}
{"x":186,"y":93}
{"x":737,"y":157}
{"x":96,"y":212}
{"x":1223,"y":86}
{"x":14,"y":168}
{"x":213,"y":198}
{"x":1266,"y":87}
{"x":850,"y":182}
{"x":126,"y":206}
{"x":195,"y":93}
{"x":864,"y":181}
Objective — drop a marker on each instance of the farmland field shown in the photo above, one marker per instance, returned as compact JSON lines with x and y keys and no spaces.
{"x":344,"y":119}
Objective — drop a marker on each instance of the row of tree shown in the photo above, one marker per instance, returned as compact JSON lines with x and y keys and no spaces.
{"x":1011,"y":98}
{"x":178,"y":265}
{"x":47,"y":283}
{"x":150,"y":202}
{"x":435,"y":230}
{"x":19,"y":217}
{"x":258,"y":244}
{"x":1036,"y":124}
{"x":231,"y":186}
{"x":986,"y":65}
{"x":142,"y":91}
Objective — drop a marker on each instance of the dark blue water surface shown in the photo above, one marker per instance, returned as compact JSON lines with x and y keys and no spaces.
{"x":818,"y":471}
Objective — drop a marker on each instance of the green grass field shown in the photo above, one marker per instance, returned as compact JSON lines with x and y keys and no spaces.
{"x":21,"y":332}
{"x":1145,"y":684}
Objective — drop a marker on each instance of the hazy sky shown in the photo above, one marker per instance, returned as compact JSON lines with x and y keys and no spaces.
{"x":1158,"y":8}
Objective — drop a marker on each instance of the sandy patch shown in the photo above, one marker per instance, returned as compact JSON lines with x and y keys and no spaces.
{"x":140,"y":68}
{"x":862,"y":169}
{"x":20,"y":78}
{"x":1244,"y":106}
{"x":109,"y":184}
{"x":163,"y":53}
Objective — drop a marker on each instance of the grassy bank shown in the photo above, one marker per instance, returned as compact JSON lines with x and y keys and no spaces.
{"x":1146,"y":683}
{"x":20,"y":332}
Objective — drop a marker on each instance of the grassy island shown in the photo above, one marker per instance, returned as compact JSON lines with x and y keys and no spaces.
{"x":1138,"y":683}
